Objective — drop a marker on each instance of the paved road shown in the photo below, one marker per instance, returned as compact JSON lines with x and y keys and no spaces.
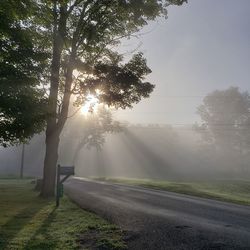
{"x":165,"y":220}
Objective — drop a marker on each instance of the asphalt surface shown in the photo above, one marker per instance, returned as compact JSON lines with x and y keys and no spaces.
{"x":155,"y":219}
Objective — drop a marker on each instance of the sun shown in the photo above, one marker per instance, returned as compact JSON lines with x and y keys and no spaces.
{"x":90,"y":105}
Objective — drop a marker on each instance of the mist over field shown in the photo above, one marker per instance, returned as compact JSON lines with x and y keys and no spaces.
{"x":149,"y":151}
{"x":200,"y":49}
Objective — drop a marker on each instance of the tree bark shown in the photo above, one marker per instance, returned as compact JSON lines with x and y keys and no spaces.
{"x":50,"y":162}
{"x":52,"y":130}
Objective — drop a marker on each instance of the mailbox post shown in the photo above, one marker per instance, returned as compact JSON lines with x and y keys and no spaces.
{"x":66,"y":171}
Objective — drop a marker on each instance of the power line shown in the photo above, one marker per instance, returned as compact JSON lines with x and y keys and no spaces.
{"x":185,"y":127}
{"x":210,"y":124}
{"x":190,"y":96}
{"x":163,"y":112}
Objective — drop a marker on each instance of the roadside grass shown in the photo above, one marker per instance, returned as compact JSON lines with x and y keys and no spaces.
{"x":235,"y":191}
{"x":32,"y":223}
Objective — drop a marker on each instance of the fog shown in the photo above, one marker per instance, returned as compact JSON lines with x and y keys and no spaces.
{"x":139,"y":151}
{"x":161,"y":153}
{"x":199,"y":49}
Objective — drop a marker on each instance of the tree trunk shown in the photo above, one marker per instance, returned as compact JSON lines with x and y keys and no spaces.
{"x":52,"y":129}
{"x":58,"y":118}
{"x":50,"y":162}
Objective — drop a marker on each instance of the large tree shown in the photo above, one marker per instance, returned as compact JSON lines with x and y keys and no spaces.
{"x":81,"y":37}
{"x":225,"y":116}
{"x":84,"y":36}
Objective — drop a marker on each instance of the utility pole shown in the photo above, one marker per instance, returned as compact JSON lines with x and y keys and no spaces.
{"x":22,"y":161}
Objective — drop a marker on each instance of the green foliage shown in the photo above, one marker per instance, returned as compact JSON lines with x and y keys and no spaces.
{"x":43,"y":42}
{"x":30,"y":222}
{"x":90,"y":32}
{"x":22,"y":104}
{"x":119,"y":85}
{"x":226,"y":118}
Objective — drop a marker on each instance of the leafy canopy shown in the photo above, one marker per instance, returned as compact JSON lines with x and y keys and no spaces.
{"x":22,"y":103}
{"x":78,"y":39}
{"x":91,"y":34}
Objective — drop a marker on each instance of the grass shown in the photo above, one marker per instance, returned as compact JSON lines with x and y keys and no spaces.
{"x":235,"y":191}
{"x":32,"y":223}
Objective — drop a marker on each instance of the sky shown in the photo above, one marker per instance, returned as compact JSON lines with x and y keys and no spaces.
{"x":202,"y":46}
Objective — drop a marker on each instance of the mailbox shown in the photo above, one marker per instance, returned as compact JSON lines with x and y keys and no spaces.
{"x":66,"y":171}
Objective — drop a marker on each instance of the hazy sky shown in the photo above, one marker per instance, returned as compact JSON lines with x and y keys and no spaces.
{"x":202,"y":46}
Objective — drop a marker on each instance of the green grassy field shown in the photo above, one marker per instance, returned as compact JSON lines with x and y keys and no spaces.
{"x":32,"y":223}
{"x":236,"y":191}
